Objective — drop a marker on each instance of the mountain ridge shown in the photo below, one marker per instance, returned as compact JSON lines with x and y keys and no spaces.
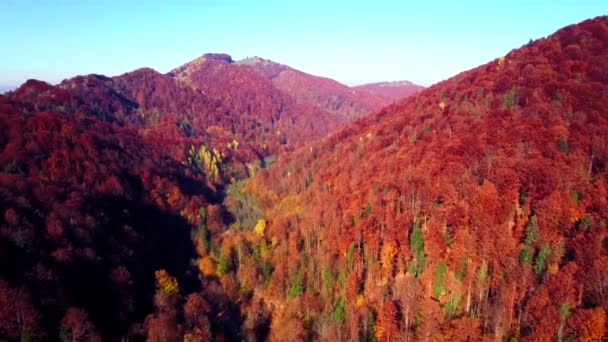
{"x":231,"y":95}
{"x":391,"y":91}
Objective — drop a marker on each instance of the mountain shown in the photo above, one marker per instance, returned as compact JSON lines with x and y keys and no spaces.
{"x":474,"y":210}
{"x":113,"y":194}
{"x":252,"y":96}
{"x":208,"y":203}
{"x":264,"y":106}
{"x":264,"y":88}
{"x":391,"y":91}
{"x":320,"y":92}
{"x":108,"y":198}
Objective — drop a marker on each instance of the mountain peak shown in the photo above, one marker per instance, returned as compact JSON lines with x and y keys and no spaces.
{"x":141,"y":73}
{"x":254,"y":60}
{"x":144,"y":70}
{"x":218,"y":57}
{"x":35,"y":84}
{"x":183,"y":71}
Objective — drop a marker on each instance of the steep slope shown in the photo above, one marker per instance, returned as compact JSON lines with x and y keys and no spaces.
{"x":252,"y":95}
{"x":391,"y":91}
{"x":475,"y":210}
{"x":90,"y":213}
{"x":163,"y":107}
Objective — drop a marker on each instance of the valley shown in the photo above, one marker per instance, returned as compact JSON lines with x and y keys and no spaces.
{"x":247,"y":200}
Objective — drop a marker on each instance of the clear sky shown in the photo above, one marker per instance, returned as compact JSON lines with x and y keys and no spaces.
{"x":352,"y":41}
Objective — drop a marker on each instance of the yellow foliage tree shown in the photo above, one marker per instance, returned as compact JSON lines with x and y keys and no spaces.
{"x":501,"y":61}
{"x":206,"y":160}
{"x":166,"y":282}
{"x":260,"y":227}
{"x":206,"y":266}
{"x":360,"y":300}
{"x":234,"y":144}
{"x":388,"y":253}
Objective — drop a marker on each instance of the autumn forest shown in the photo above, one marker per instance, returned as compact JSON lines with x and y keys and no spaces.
{"x":249,"y":201}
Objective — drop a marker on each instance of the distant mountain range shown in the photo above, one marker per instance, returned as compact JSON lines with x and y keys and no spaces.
{"x":391,"y":91}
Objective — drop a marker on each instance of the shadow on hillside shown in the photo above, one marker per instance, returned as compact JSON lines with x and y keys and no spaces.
{"x":141,"y":238}
{"x":155,"y":240}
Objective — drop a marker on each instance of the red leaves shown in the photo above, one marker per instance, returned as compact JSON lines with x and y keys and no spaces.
{"x":120,"y":275}
{"x":162,"y":327}
{"x":11,"y":217}
{"x":18,"y":317}
{"x":195,"y":309}
{"x":588,"y":324}
{"x":75,"y":326}
{"x":386,"y":325}
{"x":54,"y":227}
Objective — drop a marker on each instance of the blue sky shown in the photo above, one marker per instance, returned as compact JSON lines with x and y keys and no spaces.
{"x":352,"y":41}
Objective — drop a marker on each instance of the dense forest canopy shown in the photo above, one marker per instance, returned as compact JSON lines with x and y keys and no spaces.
{"x":251,"y":201}
{"x":474,"y":210}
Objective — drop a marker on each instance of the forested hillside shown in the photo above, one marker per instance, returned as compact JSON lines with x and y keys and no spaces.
{"x":474,"y":210}
{"x":342,"y":102}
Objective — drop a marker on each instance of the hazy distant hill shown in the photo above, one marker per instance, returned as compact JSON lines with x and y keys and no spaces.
{"x":391,"y":91}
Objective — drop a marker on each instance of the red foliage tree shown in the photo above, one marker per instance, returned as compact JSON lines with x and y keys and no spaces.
{"x":75,"y":326}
